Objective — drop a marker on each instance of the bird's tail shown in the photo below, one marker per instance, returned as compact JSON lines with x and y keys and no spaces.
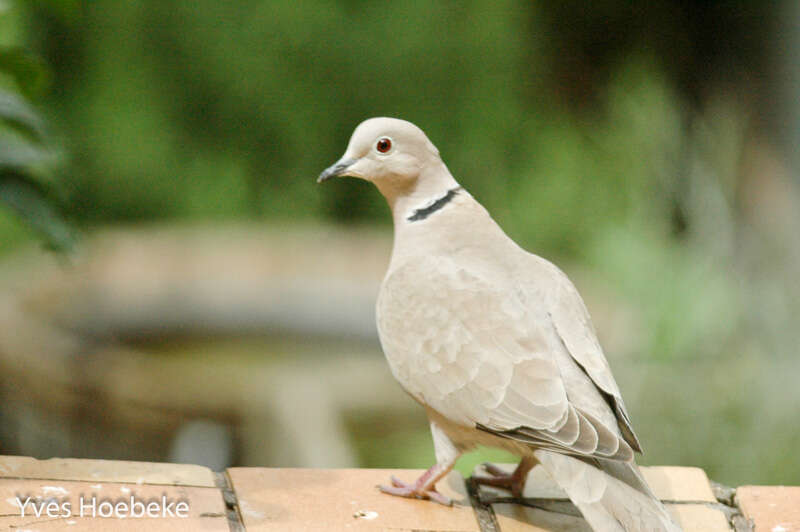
{"x":611,"y":495}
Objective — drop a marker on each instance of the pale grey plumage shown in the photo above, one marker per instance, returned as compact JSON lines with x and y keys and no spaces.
{"x":494,"y":341}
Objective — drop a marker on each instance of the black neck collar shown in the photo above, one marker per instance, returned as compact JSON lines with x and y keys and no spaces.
{"x":424,"y":212}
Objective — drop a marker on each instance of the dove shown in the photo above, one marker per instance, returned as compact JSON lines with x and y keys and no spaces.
{"x":493,"y":341}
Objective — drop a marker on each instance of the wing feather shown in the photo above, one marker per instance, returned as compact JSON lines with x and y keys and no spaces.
{"x":575,"y":329}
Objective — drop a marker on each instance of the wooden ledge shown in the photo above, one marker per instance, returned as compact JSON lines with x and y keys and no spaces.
{"x":270,"y":499}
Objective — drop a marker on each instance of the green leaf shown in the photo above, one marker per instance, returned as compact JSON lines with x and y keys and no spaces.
{"x":30,"y":201}
{"x":16,"y":112}
{"x":19,"y":154}
{"x":29,"y":72}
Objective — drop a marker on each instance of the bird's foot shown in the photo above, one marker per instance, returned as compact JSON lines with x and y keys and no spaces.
{"x":499,"y":478}
{"x":417,"y":490}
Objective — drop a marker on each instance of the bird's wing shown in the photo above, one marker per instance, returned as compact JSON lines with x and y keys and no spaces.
{"x":574,"y":328}
{"x":474,"y":349}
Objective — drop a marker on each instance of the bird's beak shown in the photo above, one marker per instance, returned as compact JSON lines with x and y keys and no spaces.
{"x":339,"y":168}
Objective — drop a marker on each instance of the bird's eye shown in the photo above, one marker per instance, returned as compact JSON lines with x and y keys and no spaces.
{"x":384,"y":145}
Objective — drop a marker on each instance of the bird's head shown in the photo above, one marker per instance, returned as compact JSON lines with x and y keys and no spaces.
{"x":391,"y":153}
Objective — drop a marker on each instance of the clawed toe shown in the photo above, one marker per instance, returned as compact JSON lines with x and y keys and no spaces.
{"x":514,"y":482}
{"x":494,"y":470}
{"x":435,"y":496}
{"x":425,"y":486}
{"x":402,"y":489}
{"x":396,"y":490}
{"x":397,"y":483}
{"x":494,"y":481}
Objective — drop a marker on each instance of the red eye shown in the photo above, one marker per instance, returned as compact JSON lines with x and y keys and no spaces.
{"x":384,"y":145}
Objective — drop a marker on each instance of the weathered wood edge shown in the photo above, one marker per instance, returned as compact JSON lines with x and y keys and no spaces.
{"x":484,"y":514}
{"x":223,"y":482}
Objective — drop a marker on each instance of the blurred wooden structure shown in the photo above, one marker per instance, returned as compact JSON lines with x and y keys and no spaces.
{"x":286,"y":500}
{"x":114,"y":354}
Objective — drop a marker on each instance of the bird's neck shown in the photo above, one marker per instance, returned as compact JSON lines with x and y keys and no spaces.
{"x":416,"y":200}
{"x":445,"y":223}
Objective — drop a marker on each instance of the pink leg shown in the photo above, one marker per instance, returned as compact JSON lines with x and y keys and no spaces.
{"x":424,"y":487}
{"x":514,"y":481}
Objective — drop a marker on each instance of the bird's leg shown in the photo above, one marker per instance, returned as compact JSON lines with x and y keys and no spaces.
{"x":515,"y":482}
{"x":425,"y":486}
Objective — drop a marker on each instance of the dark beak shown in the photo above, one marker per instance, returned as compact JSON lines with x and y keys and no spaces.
{"x":335,"y":170}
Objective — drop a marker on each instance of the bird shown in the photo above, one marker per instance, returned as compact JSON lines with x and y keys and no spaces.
{"x":494,"y":342}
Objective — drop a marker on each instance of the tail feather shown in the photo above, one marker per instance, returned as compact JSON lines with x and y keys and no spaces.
{"x":611,"y":495}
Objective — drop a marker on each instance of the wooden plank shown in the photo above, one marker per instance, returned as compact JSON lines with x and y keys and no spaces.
{"x":679,"y":483}
{"x":343,"y":499}
{"x":106,"y":471}
{"x":699,"y":517}
{"x":204,"y":508}
{"x":688,"y":486}
{"x":518,"y":518}
{"x":772,"y":508}
{"x":267,"y":499}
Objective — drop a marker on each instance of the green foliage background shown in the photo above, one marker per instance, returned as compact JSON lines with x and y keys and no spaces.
{"x":196,"y":109}
{"x":227,"y":109}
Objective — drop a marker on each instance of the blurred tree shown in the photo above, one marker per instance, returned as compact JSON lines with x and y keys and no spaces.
{"x":204,"y":108}
{"x":28,"y":154}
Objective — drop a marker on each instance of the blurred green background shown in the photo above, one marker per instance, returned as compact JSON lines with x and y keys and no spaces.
{"x":648,"y":149}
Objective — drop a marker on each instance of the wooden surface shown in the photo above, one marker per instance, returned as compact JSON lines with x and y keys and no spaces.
{"x":772,"y":508}
{"x":343,"y":499}
{"x":685,"y":490}
{"x":269,"y":499}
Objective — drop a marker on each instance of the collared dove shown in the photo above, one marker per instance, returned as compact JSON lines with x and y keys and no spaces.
{"x":493,"y":341}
